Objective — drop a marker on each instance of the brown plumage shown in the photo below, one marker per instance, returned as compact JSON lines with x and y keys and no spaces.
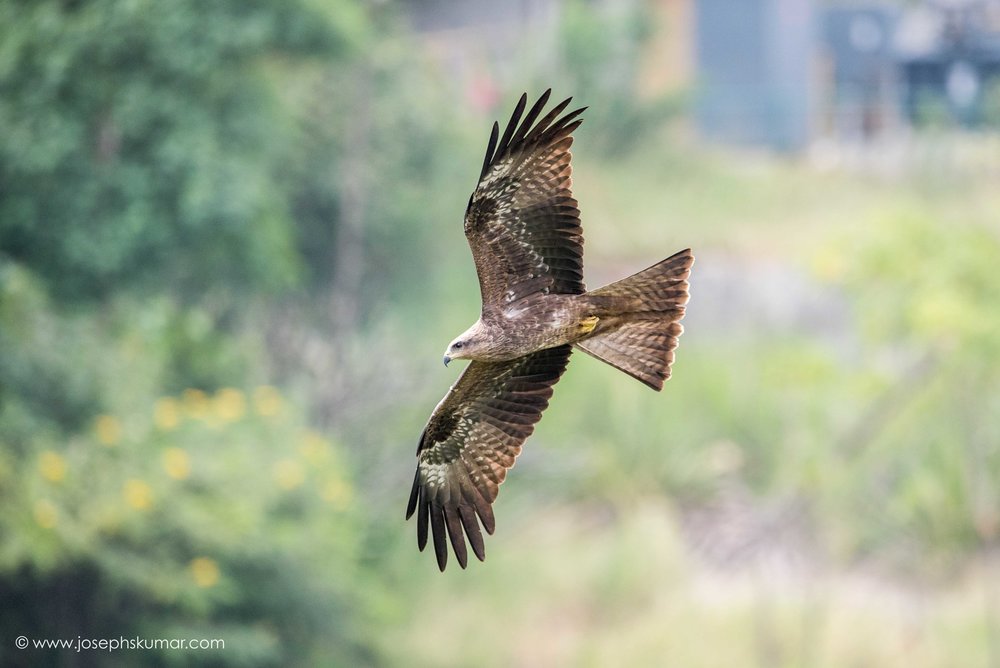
{"x":523,"y":227}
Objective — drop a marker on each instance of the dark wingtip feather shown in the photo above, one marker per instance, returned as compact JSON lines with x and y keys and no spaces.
{"x":490,"y":149}
{"x":515,"y":118}
{"x":422,"y":522}
{"x":565,"y":125}
{"x":543,"y":124}
{"x":485,"y":513}
{"x":530,"y":118}
{"x":411,"y":505}
{"x":519,"y":130}
{"x":440,"y":544}
{"x":454,"y":525}
{"x":571,"y":128}
{"x":468,"y":517}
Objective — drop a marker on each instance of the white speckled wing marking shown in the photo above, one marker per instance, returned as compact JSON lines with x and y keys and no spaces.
{"x":469,"y":443}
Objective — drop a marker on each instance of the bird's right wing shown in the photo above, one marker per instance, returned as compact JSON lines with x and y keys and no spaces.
{"x":469,"y":443}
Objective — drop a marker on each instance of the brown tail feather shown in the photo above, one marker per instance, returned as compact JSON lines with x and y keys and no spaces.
{"x":641,"y":338}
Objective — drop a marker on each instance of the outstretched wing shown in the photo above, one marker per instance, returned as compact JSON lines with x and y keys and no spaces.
{"x":470,"y":441}
{"x":522,"y":222}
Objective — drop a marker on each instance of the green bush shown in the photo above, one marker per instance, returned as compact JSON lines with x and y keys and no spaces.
{"x":207,"y":516}
{"x":926,"y":294}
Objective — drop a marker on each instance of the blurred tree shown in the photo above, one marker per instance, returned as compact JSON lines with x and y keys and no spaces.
{"x":601,"y":51}
{"x":141,"y":139}
{"x":144,"y":210}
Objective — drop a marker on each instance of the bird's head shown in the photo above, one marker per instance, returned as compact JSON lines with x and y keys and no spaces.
{"x":465,"y":345}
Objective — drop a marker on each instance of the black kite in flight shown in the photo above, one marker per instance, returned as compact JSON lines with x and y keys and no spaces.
{"x":523,"y":226}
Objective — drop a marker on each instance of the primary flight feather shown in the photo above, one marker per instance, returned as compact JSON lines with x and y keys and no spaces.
{"x":523,"y":227}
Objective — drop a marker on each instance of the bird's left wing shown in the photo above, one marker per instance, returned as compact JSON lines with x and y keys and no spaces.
{"x":470,"y":442}
{"x":522,"y":222}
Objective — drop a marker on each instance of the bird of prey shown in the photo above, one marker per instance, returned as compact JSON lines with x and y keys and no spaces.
{"x":523,"y":226}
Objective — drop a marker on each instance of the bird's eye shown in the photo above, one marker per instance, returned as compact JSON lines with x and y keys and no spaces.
{"x":457,"y":345}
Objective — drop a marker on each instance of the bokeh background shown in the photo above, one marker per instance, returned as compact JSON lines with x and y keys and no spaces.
{"x":231,"y":256}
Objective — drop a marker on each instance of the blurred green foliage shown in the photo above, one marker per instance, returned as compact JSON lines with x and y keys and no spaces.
{"x":926,"y":294}
{"x":170,"y":174}
{"x":187,"y":521}
{"x":161,"y":120}
{"x":133,"y":514}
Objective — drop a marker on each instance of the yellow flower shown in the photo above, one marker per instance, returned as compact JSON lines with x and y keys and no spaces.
{"x":177,"y":463}
{"x":52,"y":465}
{"x":138,"y":494}
{"x":230,"y":405}
{"x":289,"y":474}
{"x":108,"y":429}
{"x":267,"y":401}
{"x":46,"y":514}
{"x":195,"y":403}
{"x":337,"y":493}
{"x":204,"y":571}
{"x":166,"y":413}
{"x":314,"y":447}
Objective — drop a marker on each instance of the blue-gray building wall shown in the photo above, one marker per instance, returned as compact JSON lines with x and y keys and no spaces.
{"x":754,"y":71}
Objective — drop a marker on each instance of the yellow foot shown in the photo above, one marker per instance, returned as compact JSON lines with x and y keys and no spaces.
{"x":587,"y":325}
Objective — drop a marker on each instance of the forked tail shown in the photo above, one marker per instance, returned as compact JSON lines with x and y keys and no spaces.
{"x":639,"y":333}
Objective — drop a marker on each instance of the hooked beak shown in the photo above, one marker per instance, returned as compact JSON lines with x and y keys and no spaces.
{"x":446,"y":360}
